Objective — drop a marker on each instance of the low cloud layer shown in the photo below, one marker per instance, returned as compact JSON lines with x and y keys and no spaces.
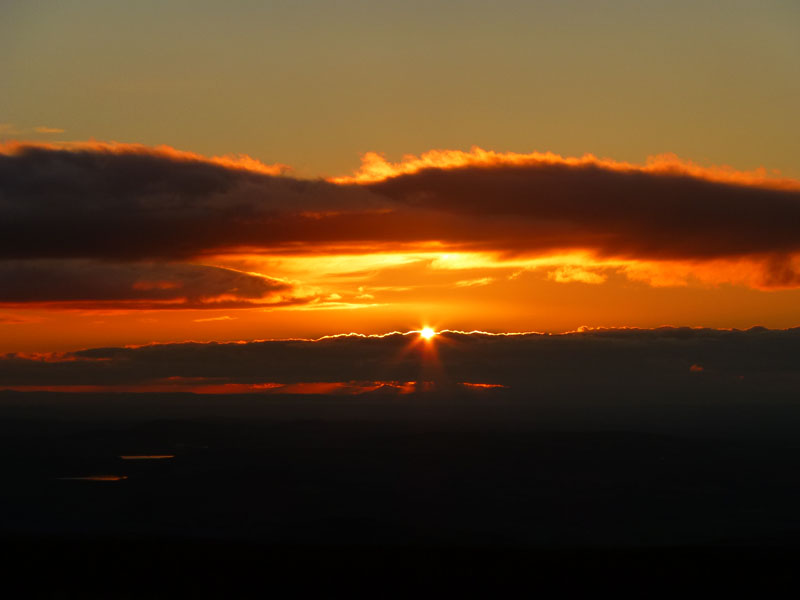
{"x":532,"y":362}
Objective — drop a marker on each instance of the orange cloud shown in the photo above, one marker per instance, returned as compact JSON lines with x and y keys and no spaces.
{"x":568,"y":273}
{"x":667,"y":222}
{"x":45,"y":129}
{"x":375,"y":167}
{"x":232,"y":161}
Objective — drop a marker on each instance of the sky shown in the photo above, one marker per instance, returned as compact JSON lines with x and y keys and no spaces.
{"x":207,"y":171}
{"x":313,"y":84}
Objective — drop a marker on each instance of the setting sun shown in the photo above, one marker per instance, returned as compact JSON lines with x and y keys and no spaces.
{"x":427,"y":333}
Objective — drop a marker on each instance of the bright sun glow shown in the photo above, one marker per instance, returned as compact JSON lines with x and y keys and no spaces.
{"x":427,"y":333}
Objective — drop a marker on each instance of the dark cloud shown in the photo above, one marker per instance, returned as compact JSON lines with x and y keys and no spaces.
{"x":143,"y":285}
{"x":131,"y":205}
{"x":134,"y":205}
{"x":613,"y":212}
{"x":602,"y":360}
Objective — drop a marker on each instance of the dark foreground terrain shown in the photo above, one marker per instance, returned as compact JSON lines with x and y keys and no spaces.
{"x":398,"y":495}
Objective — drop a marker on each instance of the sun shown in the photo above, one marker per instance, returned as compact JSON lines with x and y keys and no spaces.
{"x":427,"y":333}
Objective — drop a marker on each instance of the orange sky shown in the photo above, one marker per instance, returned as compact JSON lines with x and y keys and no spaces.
{"x":462,"y":240}
{"x":525,"y":166}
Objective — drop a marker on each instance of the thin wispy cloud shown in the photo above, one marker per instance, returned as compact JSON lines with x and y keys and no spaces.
{"x":9,"y":129}
{"x":214,"y":319}
{"x":48,"y":130}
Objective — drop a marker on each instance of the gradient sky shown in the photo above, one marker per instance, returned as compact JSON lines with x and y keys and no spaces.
{"x":110,"y":244}
{"x":315,"y":83}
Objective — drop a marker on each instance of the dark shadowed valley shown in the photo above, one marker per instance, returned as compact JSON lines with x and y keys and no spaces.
{"x":514,"y":486}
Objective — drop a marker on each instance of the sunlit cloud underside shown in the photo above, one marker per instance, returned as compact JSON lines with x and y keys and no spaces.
{"x":154,"y":237}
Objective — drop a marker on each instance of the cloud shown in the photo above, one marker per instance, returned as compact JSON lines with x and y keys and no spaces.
{"x":570,"y":273}
{"x":629,"y":214}
{"x":475,"y":282}
{"x":210,"y":319}
{"x":80,"y":282}
{"x":9,"y":129}
{"x":375,"y":167}
{"x":45,"y":129}
{"x":133,"y":203}
{"x":645,"y":360}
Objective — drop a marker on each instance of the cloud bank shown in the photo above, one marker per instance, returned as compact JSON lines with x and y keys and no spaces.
{"x":604,"y":359}
{"x":131,"y":205}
